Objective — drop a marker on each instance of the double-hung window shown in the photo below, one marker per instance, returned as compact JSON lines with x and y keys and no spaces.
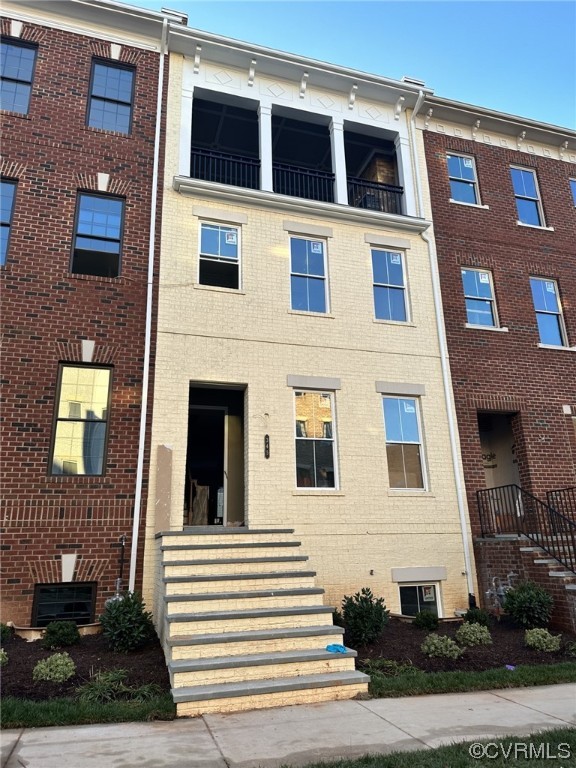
{"x":463,"y":181}
{"x":111,"y":97}
{"x":403,"y":443}
{"x":315,"y":440}
{"x":528,"y":204}
{"x":16,"y":75}
{"x":7,"y":195}
{"x":479,"y":297}
{"x":548,"y":311}
{"x":308,"y":275}
{"x":98,"y":235}
{"x":81,"y":426}
{"x":573,"y":190}
{"x":219,"y":256}
{"x":389,"y":286}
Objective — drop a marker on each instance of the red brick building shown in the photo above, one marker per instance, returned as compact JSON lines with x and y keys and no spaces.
{"x":79,"y":185}
{"x":503,"y":195}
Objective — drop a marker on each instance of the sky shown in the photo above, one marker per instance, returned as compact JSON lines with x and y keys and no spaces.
{"x":517,"y":56}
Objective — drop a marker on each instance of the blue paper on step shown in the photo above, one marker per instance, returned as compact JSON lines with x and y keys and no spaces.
{"x":335,"y":648}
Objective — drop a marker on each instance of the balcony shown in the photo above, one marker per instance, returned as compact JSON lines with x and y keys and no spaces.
{"x":303,"y":182}
{"x":374,"y":196}
{"x":223,"y":168}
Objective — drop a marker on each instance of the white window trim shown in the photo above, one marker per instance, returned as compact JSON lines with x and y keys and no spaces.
{"x":423,"y":463}
{"x":407,"y":305}
{"x":559,"y":314}
{"x":228,"y":225}
{"x":469,"y":205}
{"x":435,"y":584}
{"x":538,"y":199}
{"x":572,"y":185}
{"x":496,"y":326}
{"x":478,"y":203}
{"x":310,"y":312}
{"x":299,"y":489}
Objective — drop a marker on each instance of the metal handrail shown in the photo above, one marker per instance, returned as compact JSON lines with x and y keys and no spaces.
{"x":303,"y":182}
{"x":563,"y":500}
{"x":223,"y":168}
{"x":374,"y":195}
{"x":511,"y":509}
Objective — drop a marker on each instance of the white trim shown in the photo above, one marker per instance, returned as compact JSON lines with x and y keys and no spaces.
{"x":216,"y":260}
{"x":499,"y":328}
{"x":309,"y":230}
{"x":475,"y":184}
{"x":557,"y":348}
{"x":469,"y":205}
{"x":385,"y":241}
{"x":327,"y":309}
{"x":537,"y":199}
{"x":535,"y":226}
{"x":219,"y":215}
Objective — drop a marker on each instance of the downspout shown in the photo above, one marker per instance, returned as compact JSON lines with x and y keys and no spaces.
{"x":148,"y":330}
{"x":446,"y":378}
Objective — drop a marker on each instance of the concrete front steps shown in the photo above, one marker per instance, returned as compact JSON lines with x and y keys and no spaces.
{"x":244,"y":626}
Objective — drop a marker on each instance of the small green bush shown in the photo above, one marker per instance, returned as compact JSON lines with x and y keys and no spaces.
{"x":3,"y":657}
{"x":425,"y":620}
{"x":111,"y":685}
{"x":126,"y":624}
{"x":542,"y":640}
{"x":337,"y":618}
{"x":529,"y":605}
{"x":571,"y":650}
{"x":386,"y":667}
{"x":365,"y":616}
{"x":60,"y":634}
{"x":477,"y":616}
{"x":6,"y":633}
{"x":55,"y":669}
{"x":470,"y":634}
{"x":440,"y":645}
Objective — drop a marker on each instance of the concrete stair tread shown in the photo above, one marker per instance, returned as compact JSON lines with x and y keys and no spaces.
{"x":257,"y":659}
{"x":254,"y":635}
{"x":249,"y":613}
{"x":236,"y":576}
{"x":233,"y":545}
{"x":205,"y":597}
{"x":217,"y":530}
{"x":247,"y":560}
{"x":254,"y":688}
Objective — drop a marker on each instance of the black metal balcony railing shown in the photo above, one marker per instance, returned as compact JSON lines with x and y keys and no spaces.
{"x":303,"y":182}
{"x":511,"y":509}
{"x":223,"y":168}
{"x":563,"y":500}
{"x":374,"y":196}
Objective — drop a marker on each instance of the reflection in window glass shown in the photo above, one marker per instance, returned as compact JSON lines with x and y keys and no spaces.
{"x":111,"y":98}
{"x":98,"y":236}
{"x":7,"y":194}
{"x":462,"y":176}
{"x":314,"y":431}
{"x":403,"y":442}
{"x":389,"y":286}
{"x":479,"y":297}
{"x":81,"y":421}
{"x":548,"y":312}
{"x":308,"y":275}
{"x":16,"y":74}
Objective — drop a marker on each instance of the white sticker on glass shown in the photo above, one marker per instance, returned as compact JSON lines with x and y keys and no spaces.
{"x":484,"y":278}
{"x":467,"y":162}
{"x":408,"y":408}
{"x":231,"y":238}
{"x":550,"y":287}
{"x":395,"y":258}
{"x":316,"y":247}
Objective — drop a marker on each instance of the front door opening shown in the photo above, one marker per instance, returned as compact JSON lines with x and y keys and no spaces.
{"x":499,"y":452}
{"x":214,"y":482}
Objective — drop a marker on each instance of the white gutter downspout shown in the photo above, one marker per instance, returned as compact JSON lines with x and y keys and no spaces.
{"x":446,"y":378}
{"x":148,"y":332}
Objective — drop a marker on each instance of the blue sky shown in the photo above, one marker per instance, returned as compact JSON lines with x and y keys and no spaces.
{"x":517,"y":56}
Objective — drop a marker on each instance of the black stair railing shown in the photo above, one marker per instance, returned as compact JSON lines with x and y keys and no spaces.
{"x":374,"y":196}
{"x":224,"y":168}
{"x":563,"y":500}
{"x":303,"y":182}
{"x":511,"y":509}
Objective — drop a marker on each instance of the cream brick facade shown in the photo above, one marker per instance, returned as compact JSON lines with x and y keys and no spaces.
{"x":251,"y":339}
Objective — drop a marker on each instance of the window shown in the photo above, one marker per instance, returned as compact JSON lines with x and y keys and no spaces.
{"x":479,"y":297}
{"x":17,"y":74}
{"x":111,"y":96}
{"x":81,"y":421}
{"x":7,"y":195}
{"x":308,"y":274}
{"x":462,"y":176}
{"x":389,"y":286}
{"x":573,"y":188}
{"x":63,"y":602}
{"x":314,"y":431}
{"x":528,"y":203}
{"x":403,"y":443}
{"x":548,"y":311}
{"x":219,"y":256}
{"x":418,"y":597}
{"x":99,"y":222}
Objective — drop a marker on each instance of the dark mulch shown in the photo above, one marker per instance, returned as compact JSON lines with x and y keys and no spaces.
{"x":401,"y":642}
{"x":90,"y":655}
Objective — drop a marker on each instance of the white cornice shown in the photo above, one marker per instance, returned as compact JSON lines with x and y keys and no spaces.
{"x":260,"y":199}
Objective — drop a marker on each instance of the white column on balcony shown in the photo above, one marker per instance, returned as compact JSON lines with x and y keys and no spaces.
{"x":339,"y":162}
{"x":185,"y":133}
{"x":406,"y":175}
{"x":265,"y":132}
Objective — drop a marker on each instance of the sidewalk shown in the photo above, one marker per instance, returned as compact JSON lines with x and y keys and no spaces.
{"x":296,"y":735}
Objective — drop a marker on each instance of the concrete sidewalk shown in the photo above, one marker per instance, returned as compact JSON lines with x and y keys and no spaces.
{"x":296,"y":735}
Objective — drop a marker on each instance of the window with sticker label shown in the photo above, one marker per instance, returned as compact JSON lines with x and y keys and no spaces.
{"x":479,"y":297}
{"x":404,"y":443}
{"x":548,"y":312}
{"x":219,"y":256}
{"x":389,"y":286}
{"x":463,"y":181}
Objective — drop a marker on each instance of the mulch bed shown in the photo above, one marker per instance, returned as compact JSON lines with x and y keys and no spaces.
{"x":90,"y":655}
{"x":401,"y":642}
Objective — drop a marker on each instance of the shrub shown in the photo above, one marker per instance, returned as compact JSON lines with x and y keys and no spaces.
{"x":529,"y":605}
{"x":60,"y":634}
{"x":542,"y":640}
{"x":365,"y":616}
{"x":55,"y":669}
{"x":125,"y":623}
{"x":337,"y":618}
{"x":387,"y":667}
{"x":477,"y":616}
{"x":3,"y":657}
{"x":425,"y":620}
{"x":473,"y":634}
{"x":110,"y":685}
{"x":571,"y":650}
{"x":440,"y":645}
{"x":5,"y":633}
